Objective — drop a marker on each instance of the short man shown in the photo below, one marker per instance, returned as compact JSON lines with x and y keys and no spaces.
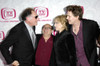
{"x":22,"y":38}
{"x":45,"y":45}
{"x":85,"y":33}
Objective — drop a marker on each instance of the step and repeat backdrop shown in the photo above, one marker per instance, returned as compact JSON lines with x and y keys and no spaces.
{"x":10,"y":11}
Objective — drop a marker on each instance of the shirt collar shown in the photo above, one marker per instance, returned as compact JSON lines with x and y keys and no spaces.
{"x":28,"y":27}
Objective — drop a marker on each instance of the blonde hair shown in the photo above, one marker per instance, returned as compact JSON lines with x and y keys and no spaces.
{"x":62,"y":19}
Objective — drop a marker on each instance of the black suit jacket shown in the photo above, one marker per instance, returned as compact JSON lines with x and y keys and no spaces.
{"x":90,"y":34}
{"x":20,"y":40}
{"x":65,"y":49}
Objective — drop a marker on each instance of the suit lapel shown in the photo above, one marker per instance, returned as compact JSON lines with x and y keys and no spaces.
{"x":85,"y":36}
{"x":26,"y":32}
{"x":84,"y":33}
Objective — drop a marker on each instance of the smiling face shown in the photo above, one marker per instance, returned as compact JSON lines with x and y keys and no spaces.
{"x":47,"y":29}
{"x":58,"y":26}
{"x":74,"y":13}
{"x":32,"y":19}
{"x":60,"y":23}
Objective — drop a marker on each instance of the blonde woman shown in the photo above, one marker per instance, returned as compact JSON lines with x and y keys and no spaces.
{"x":64,"y":52}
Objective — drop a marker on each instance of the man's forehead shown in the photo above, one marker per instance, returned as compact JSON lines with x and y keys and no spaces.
{"x":33,"y":12}
{"x":47,"y":25}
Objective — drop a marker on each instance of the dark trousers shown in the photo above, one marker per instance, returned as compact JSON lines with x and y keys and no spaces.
{"x":63,"y":64}
{"x":25,"y":64}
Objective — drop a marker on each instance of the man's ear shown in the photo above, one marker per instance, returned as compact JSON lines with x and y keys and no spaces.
{"x":27,"y":18}
{"x":77,"y":17}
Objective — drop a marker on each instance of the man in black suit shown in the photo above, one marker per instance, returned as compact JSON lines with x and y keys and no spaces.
{"x":23,"y":40}
{"x":85,"y":33}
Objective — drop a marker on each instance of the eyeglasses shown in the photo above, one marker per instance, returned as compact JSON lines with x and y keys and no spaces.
{"x":46,"y":27}
{"x":36,"y":17}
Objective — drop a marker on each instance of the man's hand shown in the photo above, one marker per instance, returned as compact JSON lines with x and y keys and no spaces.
{"x":98,"y":45}
{"x":15,"y":63}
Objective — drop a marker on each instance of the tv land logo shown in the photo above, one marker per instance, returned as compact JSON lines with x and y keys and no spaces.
{"x":42,"y":12}
{"x":8,"y":13}
{"x":2,"y":35}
